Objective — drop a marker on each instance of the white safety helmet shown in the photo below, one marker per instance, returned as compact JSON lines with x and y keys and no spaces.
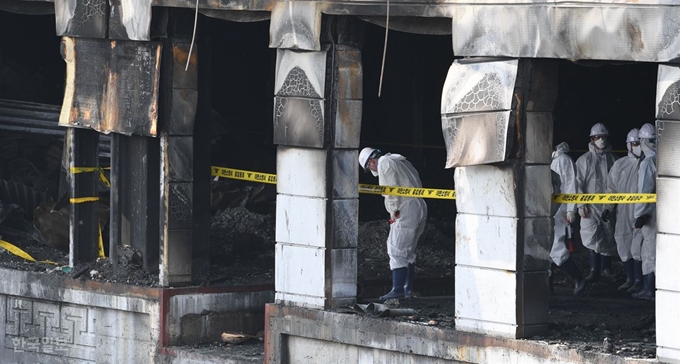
{"x":647,"y":131}
{"x":632,"y":136}
{"x":599,"y":129}
{"x":365,"y":155}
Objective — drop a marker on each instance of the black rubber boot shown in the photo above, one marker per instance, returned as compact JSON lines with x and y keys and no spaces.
{"x":637,"y":273}
{"x":594,"y":275}
{"x":410,"y":275}
{"x":398,"y":281}
{"x":606,"y":267}
{"x":647,"y":292}
{"x":573,"y":272}
{"x":630,"y":275}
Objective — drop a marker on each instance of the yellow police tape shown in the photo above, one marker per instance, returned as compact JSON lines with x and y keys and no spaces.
{"x":408,"y":192}
{"x":20,"y":253}
{"x":605,"y":198}
{"x":101,"y":242}
{"x":83,"y":199}
{"x":102,"y":176}
{"x":594,"y":198}
{"x":244,"y":175}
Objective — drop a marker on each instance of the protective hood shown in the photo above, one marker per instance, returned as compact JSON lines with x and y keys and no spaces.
{"x":562,"y":148}
{"x":647,"y":147}
{"x":395,"y":156}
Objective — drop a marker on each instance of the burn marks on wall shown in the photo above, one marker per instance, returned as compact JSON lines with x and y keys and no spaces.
{"x":476,"y":115}
{"x":298,"y":104}
{"x":668,"y":93}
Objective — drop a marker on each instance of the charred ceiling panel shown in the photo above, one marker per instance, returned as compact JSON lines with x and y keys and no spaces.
{"x":111,"y":86}
{"x":81,"y":18}
{"x":299,"y":104}
{"x":476,"y":116}
{"x":130,"y":19}
{"x":295,"y":25}
{"x":630,"y":32}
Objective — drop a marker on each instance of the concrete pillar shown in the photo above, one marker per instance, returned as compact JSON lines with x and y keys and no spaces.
{"x":317,"y":121}
{"x":503,"y":226}
{"x":668,"y":198}
{"x":179,"y":89}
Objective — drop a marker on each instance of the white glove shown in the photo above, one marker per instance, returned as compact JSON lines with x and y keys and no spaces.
{"x":571,"y":217}
{"x":583,"y":212}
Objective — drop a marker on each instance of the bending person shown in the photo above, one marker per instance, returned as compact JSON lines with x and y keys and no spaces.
{"x":408,"y":216}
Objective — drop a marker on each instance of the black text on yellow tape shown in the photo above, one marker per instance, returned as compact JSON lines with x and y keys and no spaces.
{"x":408,"y":191}
{"x":605,"y":198}
{"x":243,"y":175}
{"x":593,"y":198}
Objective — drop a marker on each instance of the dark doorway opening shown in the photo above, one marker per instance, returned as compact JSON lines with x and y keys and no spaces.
{"x":622,"y":97}
{"x":406,"y":119}
{"x":242,"y":212}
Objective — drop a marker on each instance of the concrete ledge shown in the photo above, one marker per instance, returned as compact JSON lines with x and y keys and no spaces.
{"x":329,"y":337}
{"x":54,"y":319}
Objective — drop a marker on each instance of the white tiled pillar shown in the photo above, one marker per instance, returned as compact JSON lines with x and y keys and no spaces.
{"x":503,"y":226}
{"x":668,"y":198}
{"x":317,"y":120}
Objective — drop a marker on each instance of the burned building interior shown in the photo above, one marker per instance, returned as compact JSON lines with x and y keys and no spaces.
{"x":233,"y":128}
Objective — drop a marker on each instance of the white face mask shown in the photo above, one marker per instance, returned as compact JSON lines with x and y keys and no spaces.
{"x":374,"y":173}
{"x":637,"y":150}
{"x":600,"y":143}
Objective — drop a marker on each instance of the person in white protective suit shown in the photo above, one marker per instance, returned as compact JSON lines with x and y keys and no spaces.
{"x":565,"y":176}
{"x":645,"y":214}
{"x":408,"y":216}
{"x":591,"y":177}
{"x":623,"y":178}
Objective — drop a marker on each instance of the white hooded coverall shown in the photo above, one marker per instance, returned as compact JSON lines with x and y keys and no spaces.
{"x":395,"y":170}
{"x":563,"y":166}
{"x":591,"y":177}
{"x":622,"y":178}
{"x":647,"y":184}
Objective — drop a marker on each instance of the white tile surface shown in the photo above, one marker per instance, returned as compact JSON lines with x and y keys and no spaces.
{"x":668,"y":319}
{"x":486,"y":241}
{"x":668,"y":200}
{"x":486,"y":190}
{"x":300,"y":270}
{"x":486,"y":295}
{"x":301,"y":220}
{"x":667,"y":258}
{"x":301,"y":171}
